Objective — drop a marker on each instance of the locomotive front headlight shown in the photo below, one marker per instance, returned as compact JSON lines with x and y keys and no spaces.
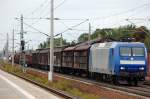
{"x":122,"y":68}
{"x":141,"y":68}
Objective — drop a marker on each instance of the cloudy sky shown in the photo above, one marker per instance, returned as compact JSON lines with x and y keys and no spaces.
{"x":102,"y":14}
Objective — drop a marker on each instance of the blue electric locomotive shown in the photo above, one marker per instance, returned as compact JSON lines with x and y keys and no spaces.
{"x":119,"y":61}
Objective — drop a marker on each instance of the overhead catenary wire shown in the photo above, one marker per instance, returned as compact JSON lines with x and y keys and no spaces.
{"x":55,"y":7}
{"x":47,"y":18}
{"x":42,"y":10}
{"x":63,"y":24}
{"x":146,"y":19}
{"x":72,"y":27}
{"x":136,"y":19}
{"x":120,"y":13}
{"x":34,"y":28}
{"x":123,"y":12}
{"x":141,"y":10}
{"x":69,"y":27}
{"x":60,"y":22}
{"x":40,"y":14}
{"x":38,"y":19}
{"x":28,"y":31}
{"x":79,"y":30}
{"x":37,"y":8}
{"x":60,"y":4}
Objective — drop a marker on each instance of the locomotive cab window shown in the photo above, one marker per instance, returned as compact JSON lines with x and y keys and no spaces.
{"x":137,"y":51}
{"x":125,"y":51}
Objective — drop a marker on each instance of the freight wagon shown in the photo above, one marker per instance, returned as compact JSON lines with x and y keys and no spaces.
{"x":28,"y":58}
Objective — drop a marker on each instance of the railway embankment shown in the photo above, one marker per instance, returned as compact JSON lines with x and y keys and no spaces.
{"x":68,"y":87}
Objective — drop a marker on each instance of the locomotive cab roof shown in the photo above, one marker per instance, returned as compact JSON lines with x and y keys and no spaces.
{"x":114,"y":44}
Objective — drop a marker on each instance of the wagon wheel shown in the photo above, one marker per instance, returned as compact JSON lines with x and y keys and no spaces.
{"x":135,"y":81}
{"x":115,"y":80}
{"x":129,"y":82}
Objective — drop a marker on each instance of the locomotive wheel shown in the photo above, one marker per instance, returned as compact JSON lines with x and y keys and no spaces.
{"x":115,"y":80}
{"x":129,"y":82}
{"x":135,"y":81}
{"x":101,"y":77}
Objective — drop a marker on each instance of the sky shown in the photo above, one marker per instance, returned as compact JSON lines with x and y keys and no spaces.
{"x":101,"y":14}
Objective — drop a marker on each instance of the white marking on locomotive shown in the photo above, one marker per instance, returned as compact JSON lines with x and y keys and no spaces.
{"x":102,"y":44}
{"x":131,"y":62}
{"x":132,"y":58}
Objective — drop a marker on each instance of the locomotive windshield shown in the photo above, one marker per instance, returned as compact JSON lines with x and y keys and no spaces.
{"x":138,"y":51}
{"x":124,"y":51}
{"x":134,"y":51}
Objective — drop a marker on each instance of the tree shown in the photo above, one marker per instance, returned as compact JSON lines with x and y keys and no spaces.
{"x":141,"y":33}
{"x":42,"y":45}
{"x":101,"y":33}
{"x":115,"y":33}
{"x":57,"y":43}
{"x":83,"y":37}
{"x":123,"y":31}
{"x":73,"y":42}
{"x":147,"y":42}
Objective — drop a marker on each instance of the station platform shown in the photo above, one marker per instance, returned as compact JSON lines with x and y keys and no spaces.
{"x":12,"y":87}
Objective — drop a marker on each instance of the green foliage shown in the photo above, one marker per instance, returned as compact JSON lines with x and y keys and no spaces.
{"x":147,"y":42}
{"x":73,"y":43}
{"x":83,"y":37}
{"x":101,"y":33}
{"x":124,"y":31}
{"x":141,"y":34}
{"x":57,"y":43}
{"x":115,"y":33}
{"x":43,"y":45}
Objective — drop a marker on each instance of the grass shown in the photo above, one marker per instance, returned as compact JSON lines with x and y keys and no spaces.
{"x":63,"y":85}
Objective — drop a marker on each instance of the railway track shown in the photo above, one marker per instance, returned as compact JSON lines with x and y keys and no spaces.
{"x":142,"y":91}
{"x":147,"y":83}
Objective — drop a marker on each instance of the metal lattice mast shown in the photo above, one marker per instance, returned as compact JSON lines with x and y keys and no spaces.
{"x":13,"y":48}
{"x":22,"y":44}
{"x":7,"y":47}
